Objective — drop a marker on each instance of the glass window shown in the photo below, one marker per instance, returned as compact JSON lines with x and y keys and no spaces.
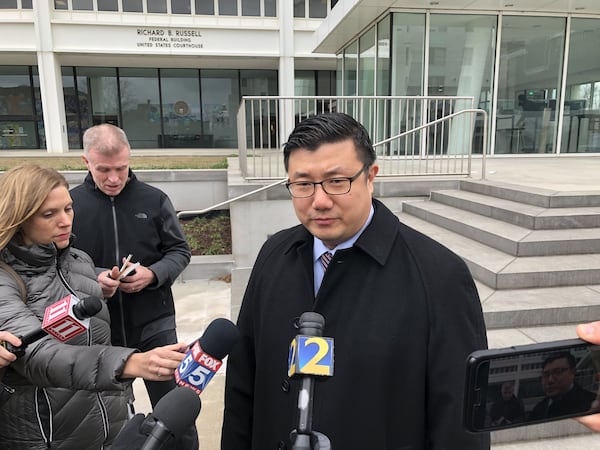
{"x":350,"y":68}
{"x":262,"y":82}
{"x":317,"y":9}
{"x":581,"y":121}
{"x":84,"y":96}
{"x":408,"y":37}
{"x":326,"y":82}
{"x":461,"y":58}
{"x":205,"y":7}
{"x":140,"y":106}
{"x":157,"y":6}
{"x":366,"y":78}
{"x":15,"y":91}
{"x":305,"y":83}
{"x":382,"y":78}
{"x":531,"y":51}
{"x":8,"y":4}
{"x":220,"y":99}
{"x":181,"y":7}
{"x":383,"y":57}
{"x":408,"y":34}
{"x":83,"y":5}
{"x":60,"y":4}
{"x":366,"y":63}
{"x":18,"y":127}
{"x":300,"y":8}
{"x":102,"y":98}
{"x":27,"y":4}
{"x":71,"y":97}
{"x":108,"y":5}
{"x":18,"y":134}
{"x":228,"y":7}
{"x":250,"y":7}
{"x":270,"y":8}
{"x":182,"y":115}
{"x":132,"y":6}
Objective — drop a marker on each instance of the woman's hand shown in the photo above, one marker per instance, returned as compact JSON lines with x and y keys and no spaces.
{"x":158,"y":364}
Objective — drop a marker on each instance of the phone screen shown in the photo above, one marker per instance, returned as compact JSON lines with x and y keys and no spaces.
{"x":530,"y":384}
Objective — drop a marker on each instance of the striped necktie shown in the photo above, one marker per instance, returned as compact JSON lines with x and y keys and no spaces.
{"x":326,"y":259}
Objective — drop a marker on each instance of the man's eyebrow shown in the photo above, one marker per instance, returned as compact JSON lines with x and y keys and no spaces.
{"x":335,"y":172}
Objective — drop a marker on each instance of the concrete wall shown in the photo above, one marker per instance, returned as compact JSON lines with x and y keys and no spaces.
{"x":188,"y":189}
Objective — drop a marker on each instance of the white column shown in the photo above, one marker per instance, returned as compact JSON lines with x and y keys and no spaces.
{"x":286,"y":66}
{"x":51,"y":87}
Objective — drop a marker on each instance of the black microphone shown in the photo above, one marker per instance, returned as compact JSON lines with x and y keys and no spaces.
{"x":64,"y":320}
{"x":205,"y":355}
{"x":173,"y":415}
{"x":310,"y":355}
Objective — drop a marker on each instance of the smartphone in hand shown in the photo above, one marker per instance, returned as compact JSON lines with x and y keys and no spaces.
{"x":529,"y":384}
{"x":126,"y":269}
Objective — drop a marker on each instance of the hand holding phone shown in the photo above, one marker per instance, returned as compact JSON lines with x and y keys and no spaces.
{"x":127,"y":269}
{"x":530,"y":384}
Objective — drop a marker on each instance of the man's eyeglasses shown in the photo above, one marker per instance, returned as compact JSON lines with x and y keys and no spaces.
{"x":331,"y":186}
{"x":554,"y":372}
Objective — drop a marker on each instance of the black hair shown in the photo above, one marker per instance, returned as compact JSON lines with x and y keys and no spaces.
{"x":329,"y":128}
{"x":560,"y":355}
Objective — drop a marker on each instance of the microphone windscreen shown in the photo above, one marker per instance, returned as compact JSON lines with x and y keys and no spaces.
{"x":311,"y":323}
{"x":87,"y":308}
{"x":219,"y":338}
{"x":178,"y":410}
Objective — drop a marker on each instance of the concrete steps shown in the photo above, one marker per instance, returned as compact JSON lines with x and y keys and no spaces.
{"x":534,"y":253}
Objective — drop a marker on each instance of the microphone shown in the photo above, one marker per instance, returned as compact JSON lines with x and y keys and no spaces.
{"x":64,"y":320}
{"x":310,"y":355}
{"x":204,"y":358}
{"x":173,"y":414}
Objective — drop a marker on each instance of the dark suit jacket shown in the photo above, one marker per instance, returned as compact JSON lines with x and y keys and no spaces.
{"x":404,"y":313}
{"x":574,"y":401}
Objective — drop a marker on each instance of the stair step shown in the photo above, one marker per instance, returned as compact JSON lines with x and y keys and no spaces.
{"x":545,"y":198}
{"x":512,"y":239}
{"x":500,"y":270}
{"x":521,"y":214}
{"x":536,"y":307}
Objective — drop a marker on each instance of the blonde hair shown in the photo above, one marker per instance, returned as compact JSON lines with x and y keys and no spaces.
{"x":23,"y":190}
{"x":105,"y":139}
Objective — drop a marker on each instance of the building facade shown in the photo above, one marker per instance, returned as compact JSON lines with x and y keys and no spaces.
{"x":172,"y":72}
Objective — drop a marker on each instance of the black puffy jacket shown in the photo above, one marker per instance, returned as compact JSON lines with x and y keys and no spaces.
{"x":67,"y":395}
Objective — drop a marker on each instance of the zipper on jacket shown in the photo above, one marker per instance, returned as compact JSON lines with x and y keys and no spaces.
{"x":103,"y":413}
{"x":118,"y":264}
{"x":47,"y":437}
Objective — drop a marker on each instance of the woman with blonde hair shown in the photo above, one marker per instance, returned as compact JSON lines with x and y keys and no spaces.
{"x":67,"y":395}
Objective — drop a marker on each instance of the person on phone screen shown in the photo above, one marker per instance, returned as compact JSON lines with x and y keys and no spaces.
{"x":591,"y":332}
{"x":117,"y":215}
{"x":402,"y":309}
{"x":563,"y":394}
{"x":67,"y":395}
{"x":508,"y":409}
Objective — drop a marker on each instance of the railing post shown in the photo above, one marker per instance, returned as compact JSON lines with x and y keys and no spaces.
{"x":242,"y":138}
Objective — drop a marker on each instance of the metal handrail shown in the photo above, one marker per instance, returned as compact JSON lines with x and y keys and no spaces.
{"x":385,"y":141}
{"x":442,"y":119}
{"x":198,"y":212}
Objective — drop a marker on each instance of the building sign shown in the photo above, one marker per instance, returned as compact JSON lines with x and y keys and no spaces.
{"x":169,"y":38}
